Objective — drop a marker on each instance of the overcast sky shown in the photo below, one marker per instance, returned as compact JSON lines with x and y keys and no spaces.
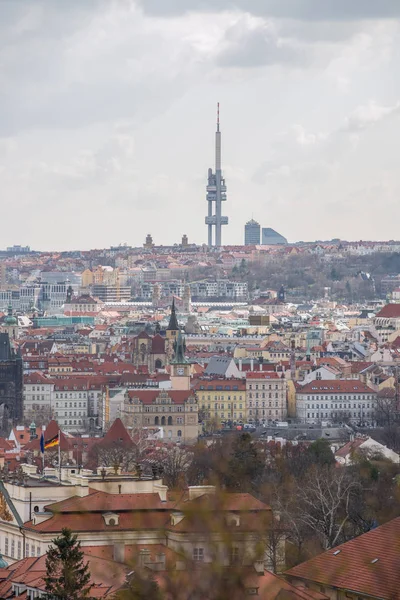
{"x":108,"y":108}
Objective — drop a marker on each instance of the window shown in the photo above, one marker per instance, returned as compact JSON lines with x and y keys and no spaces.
{"x":27,"y":550}
{"x":12,"y":548}
{"x":234,"y":555}
{"x":19,"y":545}
{"x":198,"y":554}
{"x":179,"y":433}
{"x":6,"y":546}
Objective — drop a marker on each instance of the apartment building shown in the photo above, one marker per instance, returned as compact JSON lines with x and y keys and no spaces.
{"x":266,"y":396}
{"x":224,"y":399}
{"x":336,"y":400}
{"x":38,"y":395}
{"x":71,"y":404}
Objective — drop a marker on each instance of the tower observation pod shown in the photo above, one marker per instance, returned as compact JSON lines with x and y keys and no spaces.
{"x":216,"y":194}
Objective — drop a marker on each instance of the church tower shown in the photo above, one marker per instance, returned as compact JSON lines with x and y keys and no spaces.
{"x":282,"y":294}
{"x":187,"y":299}
{"x":171,"y":332}
{"x":10,"y":324}
{"x":180,"y":368}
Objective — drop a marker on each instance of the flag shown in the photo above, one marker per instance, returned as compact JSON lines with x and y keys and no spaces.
{"x":42,"y":443}
{"x":54,"y":441}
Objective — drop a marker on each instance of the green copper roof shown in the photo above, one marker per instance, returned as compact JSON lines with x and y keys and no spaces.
{"x":3,"y":563}
{"x":10,"y":320}
{"x":179,"y":350}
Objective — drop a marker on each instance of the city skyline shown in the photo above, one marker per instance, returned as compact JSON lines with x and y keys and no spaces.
{"x":118,"y":131}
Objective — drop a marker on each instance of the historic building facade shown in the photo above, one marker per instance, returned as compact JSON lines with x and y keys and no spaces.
{"x":266,"y":394}
{"x":11,"y":382}
{"x":175,"y":411}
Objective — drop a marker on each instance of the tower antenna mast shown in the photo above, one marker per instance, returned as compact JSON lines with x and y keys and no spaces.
{"x":216,"y":195}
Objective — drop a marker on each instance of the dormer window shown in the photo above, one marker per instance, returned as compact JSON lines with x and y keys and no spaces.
{"x":233,"y":520}
{"x":111,"y":519}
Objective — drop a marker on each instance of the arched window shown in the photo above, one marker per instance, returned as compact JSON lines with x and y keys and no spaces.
{"x":162,"y":420}
{"x":179,"y":433}
{"x":156,"y":421}
{"x":158,"y":364}
{"x":169,"y":420}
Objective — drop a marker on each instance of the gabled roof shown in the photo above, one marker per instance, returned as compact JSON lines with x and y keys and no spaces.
{"x":158,"y":344}
{"x":117,"y":433}
{"x":107,"y":575}
{"x":218,"y":365}
{"x":149,"y":396}
{"x":52,"y":430}
{"x":367,"y":565}
{"x":350,"y":447}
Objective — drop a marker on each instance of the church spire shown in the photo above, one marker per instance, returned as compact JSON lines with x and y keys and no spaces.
{"x":179,"y":350}
{"x":173,"y":321}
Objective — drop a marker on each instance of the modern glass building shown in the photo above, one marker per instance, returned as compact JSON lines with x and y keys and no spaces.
{"x":252,"y":233}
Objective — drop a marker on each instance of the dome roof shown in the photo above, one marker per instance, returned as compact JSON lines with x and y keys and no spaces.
{"x":9,"y":319}
{"x":3,"y":563}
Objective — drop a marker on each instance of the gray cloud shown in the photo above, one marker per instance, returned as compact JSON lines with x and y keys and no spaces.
{"x":108,"y":117}
{"x":367,"y":115}
{"x":254,"y":45}
{"x":314,"y":10}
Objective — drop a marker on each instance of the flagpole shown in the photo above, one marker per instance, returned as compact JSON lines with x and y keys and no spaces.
{"x":59,"y":452}
{"x":42,"y":451}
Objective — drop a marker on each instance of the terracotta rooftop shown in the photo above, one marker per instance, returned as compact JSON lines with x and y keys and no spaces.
{"x":102,"y":502}
{"x":349,"y":447}
{"x":262,"y":375}
{"x":117,"y":433}
{"x":149,"y":396}
{"x":337,"y":386}
{"x":390,"y":311}
{"x":368,"y":565}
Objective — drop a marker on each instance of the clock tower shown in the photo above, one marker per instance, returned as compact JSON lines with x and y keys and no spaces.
{"x":180,"y":368}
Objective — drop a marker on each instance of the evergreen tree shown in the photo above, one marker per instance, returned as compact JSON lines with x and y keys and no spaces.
{"x":320,"y":452}
{"x":141,"y":586}
{"x":67,"y":576}
{"x":245,"y":466}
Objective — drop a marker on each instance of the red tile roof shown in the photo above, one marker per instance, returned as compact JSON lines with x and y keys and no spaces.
{"x":389,"y":311}
{"x":117,"y":433}
{"x":262,"y":375}
{"x":367,"y":565}
{"x":107,"y":575}
{"x":102,"y":502}
{"x":358,"y":366}
{"x":337,"y":386}
{"x":128,"y":521}
{"x":221,"y":384}
{"x":158,"y":344}
{"x":349,"y":447}
{"x":149,"y":396}
{"x":272,"y":587}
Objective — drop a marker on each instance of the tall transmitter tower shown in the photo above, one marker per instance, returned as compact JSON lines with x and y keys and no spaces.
{"x":216,"y":192}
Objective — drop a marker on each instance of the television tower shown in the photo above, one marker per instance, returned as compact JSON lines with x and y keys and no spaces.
{"x":216,"y":192}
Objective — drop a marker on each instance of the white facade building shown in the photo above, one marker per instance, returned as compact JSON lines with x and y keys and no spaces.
{"x":336,"y":401}
{"x":38,"y":394}
{"x":70,"y":404}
